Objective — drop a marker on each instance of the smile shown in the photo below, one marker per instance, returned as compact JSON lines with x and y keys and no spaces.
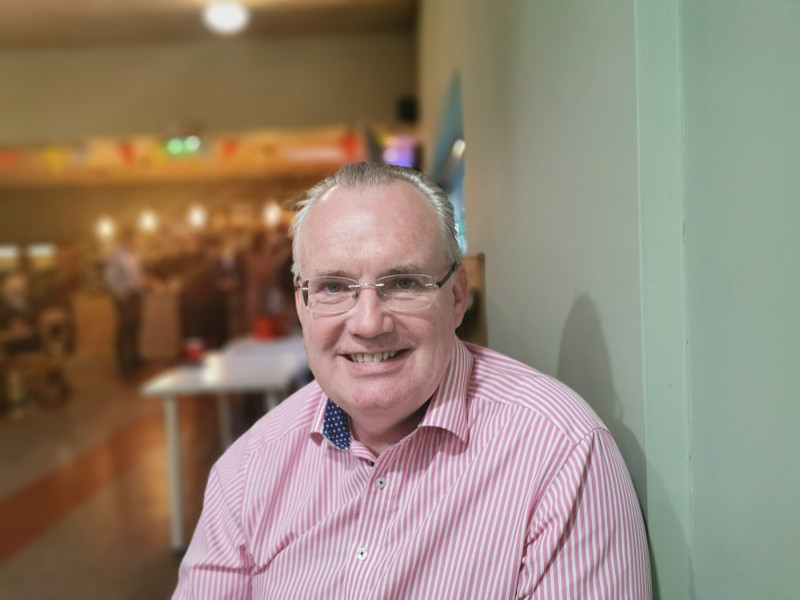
{"x":378,"y":357}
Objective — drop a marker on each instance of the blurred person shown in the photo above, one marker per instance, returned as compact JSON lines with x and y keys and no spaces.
{"x":67,"y":280}
{"x":205,"y":285}
{"x":280,"y":293}
{"x":232,"y":277}
{"x":268,"y":280}
{"x":415,"y":465}
{"x":226,"y":270}
{"x":259,"y":271}
{"x":125,"y":280}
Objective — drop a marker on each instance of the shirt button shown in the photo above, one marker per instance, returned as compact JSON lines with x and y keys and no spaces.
{"x":361,"y":554}
{"x":380,"y":483}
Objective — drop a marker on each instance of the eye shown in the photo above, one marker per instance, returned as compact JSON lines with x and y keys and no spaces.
{"x":404,"y":284}
{"x":329,"y":286}
{"x":332,"y":287}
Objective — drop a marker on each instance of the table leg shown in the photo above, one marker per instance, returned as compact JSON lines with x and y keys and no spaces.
{"x":175,"y":474}
{"x":225,"y":421}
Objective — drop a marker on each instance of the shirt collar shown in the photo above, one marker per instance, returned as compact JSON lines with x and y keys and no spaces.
{"x":447,"y":409}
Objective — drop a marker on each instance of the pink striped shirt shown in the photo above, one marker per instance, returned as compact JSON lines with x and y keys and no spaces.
{"x":510,"y":487}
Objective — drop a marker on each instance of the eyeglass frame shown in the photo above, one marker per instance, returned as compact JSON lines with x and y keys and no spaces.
{"x":358,"y":286}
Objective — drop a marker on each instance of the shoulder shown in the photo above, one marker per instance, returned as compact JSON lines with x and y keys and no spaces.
{"x":501,"y":380}
{"x":283,"y":429}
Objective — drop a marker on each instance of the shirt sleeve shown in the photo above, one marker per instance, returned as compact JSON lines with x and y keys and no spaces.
{"x":217,"y":565}
{"x":587,"y":537}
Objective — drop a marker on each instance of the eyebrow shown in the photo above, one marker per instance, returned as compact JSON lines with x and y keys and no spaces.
{"x":407,"y":269}
{"x":332,"y":273}
{"x":410,"y":269}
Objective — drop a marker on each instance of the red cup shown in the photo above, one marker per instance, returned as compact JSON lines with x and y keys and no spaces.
{"x":264,"y":328}
{"x":194,"y":350}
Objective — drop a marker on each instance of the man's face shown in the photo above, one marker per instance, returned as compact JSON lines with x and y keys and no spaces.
{"x":365,"y":234}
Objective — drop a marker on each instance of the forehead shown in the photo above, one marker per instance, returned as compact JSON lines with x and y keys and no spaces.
{"x":370,"y":224}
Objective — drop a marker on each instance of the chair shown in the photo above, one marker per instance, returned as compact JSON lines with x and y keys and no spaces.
{"x":36,"y":374}
{"x":473,"y":328}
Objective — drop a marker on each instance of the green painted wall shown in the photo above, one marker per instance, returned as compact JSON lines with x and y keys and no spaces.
{"x":663,"y":292}
{"x":633,"y":175}
{"x":742,"y":192}
{"x":551,"y":187}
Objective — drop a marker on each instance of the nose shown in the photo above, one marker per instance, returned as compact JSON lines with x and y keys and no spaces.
{"x":369,"y":317}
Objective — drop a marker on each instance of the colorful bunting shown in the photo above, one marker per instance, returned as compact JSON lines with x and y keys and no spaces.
{"x":9,"y":158}
{"x":54,"y":158}
{"x":351,"y":146}
{"x":127,"y":153}
{"x":248,"y":151}
{"x":228,"y":149}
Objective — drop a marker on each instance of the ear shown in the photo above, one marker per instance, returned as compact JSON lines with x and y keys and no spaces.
{"x":299,"y":306}
{"x":460,"y":295}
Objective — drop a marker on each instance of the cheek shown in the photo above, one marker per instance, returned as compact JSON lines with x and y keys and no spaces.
{"x":442,"y":324}
{"x":318,"y":333}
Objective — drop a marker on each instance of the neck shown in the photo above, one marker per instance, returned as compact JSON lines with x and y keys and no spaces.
{"x":377,"y":439}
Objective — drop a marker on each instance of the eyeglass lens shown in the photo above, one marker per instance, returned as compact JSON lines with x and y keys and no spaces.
{"x":398,"y":292}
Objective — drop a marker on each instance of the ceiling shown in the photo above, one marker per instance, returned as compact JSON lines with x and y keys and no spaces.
{"x":29,"y":24}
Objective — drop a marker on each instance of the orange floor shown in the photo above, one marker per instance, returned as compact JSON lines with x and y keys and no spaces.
{"x":83,"y":500}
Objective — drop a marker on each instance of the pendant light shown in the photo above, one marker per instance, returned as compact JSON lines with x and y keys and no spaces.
{"x":226,"y":17}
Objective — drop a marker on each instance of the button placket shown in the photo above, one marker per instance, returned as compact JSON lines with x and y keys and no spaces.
{"x":371,"y":538}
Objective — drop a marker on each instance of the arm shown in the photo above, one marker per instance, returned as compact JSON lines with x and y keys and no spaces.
{"x":587,"y":537}
{"x":217,"y":565}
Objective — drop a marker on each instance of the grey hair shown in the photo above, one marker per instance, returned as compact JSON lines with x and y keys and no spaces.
{"x":360,"y":175}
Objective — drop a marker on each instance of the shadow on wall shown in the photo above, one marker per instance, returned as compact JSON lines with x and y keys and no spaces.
{"x":584,"y":364}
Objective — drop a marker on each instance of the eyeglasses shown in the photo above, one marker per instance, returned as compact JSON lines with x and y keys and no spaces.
{"x":407,"y":292}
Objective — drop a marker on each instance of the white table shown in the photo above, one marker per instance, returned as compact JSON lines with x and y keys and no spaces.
{"x":245,"y":365}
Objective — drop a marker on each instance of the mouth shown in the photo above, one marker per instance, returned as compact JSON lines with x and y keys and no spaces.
{"x":373,"y":357}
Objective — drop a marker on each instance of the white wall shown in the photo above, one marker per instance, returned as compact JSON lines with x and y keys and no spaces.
{"x":227,"y":85}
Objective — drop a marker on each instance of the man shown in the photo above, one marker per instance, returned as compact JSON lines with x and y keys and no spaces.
{"x":414,"y":466}
{"x":123,"y":276}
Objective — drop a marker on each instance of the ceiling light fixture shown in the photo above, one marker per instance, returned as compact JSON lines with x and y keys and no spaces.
{"x":272,"y":214}
{"x":226,"y":17}
{"x":106,"y":228}
{"x":197,"y":217}
{"x":148,"y":221}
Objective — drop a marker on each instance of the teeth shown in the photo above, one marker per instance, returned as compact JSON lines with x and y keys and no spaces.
{"x":380,"y":356}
